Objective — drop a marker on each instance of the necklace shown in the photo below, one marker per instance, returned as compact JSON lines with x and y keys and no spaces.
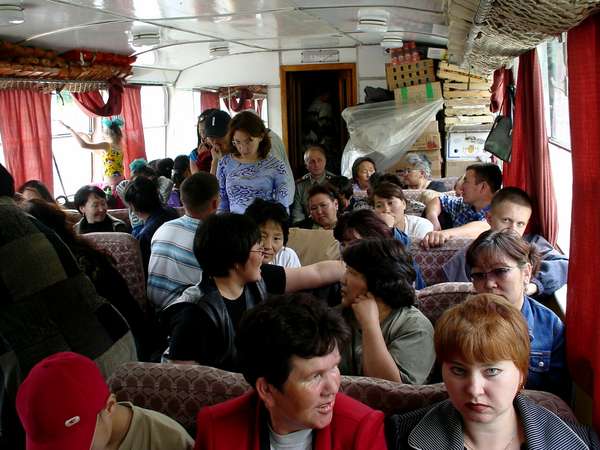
{"x":470,"y":445}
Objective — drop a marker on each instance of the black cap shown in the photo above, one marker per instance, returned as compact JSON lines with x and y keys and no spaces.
{"x":216,"y":124}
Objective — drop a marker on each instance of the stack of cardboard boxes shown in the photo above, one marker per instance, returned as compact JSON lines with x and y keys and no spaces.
{"x":415,"y":82}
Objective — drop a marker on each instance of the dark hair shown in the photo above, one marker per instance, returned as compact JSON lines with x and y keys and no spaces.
{"x":181,"y":166}
{"x":282,"y":327}
{"x":164,"y":167}
{"x":142,"y":194}
{"x":203,"y":117}
{"x":513,"y":195}
{"x":261,"y":211}
{"x":378,"y":178}
{"x":198,"y":190}
{"x":365,"y":222}
{"x":318,"y":147}
{"x":488,"y":172}
{"x":38,"y":186}
{"x":7,"y":183}
{"x":387,"y":190}
{"x":386,"y":266}
{"x":224,"y":240}
{"x":324,"y":188}
{"x":358,"y":162}
{"x":250,"y":123}
{"x":84,"y":192}
{"x":506,"y":243}
{"x":343,"y":186}
{"x":114,"y":130}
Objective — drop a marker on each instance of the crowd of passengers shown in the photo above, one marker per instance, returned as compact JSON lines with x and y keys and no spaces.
{"x":228,"y":292}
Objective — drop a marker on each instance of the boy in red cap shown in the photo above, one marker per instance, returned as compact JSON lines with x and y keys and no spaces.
{"x":65,"y":404}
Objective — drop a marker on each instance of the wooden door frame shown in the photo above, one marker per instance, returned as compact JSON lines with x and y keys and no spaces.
{"x":283,"y":71}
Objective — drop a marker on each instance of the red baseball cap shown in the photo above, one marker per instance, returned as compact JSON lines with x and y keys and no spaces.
{"x":59,"y":401}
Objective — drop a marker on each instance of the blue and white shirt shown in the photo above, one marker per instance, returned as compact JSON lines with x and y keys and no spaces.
{"x":173,"y":266}
{"x":240,"y":183}
{"x":460,"y":212}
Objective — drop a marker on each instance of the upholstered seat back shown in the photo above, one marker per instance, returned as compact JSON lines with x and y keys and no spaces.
{"x":432,"y":260}
{"x":434,"y":300}
{"x":313,"y":246}
{"x":179,"y":391}
{"x":125,"y":251}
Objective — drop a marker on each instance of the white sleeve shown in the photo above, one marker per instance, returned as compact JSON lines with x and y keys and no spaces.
{"x":287,"y":257}
{"x":417,"y":227}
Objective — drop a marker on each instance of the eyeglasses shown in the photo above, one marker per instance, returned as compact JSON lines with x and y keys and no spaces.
{"x":404,"y":171}
{"x":500,"y":273}
{"x":241,"y":143}
{"x":261,"y":250}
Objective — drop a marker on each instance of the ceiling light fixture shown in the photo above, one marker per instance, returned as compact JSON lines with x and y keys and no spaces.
{"x":219,"y":48}
{"x":392,"y":40}
{"x":145,"y":39}
{"x":373,"y":20}
{"x":11,"y":14}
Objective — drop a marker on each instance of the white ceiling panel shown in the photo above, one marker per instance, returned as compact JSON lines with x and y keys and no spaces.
{"x":289,"y":43}
{"x":143,"y":75}
{"x":112,"y":37}
{"x":182,"y":56}
{"x":431,"y":5}
{"x":252,"y":26}
{"x":346,"y":19}
{"x":422,"y":38}
{"x":42,"y":16}
{"x":164,"y":9}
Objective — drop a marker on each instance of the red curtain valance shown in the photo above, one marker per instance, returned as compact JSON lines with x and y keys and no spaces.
{"x":93,"y":105}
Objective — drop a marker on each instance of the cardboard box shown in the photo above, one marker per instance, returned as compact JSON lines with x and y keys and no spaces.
{"x":419,"y":93}
{"x":457,"y":168}
{"x":410,"y":74}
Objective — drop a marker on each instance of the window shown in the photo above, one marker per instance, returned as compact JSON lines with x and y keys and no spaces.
{"x":73,"y":166}
{"x":553,"y":64}
{"x":154,"y":118}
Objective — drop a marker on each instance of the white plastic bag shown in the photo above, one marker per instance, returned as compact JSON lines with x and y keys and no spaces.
{"x":385,"y":131}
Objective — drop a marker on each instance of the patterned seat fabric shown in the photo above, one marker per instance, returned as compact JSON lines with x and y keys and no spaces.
{"x":179,"y":391}
{"x":431,"y":261}
{"x":125,"y":251}
{"x":434,"y":300}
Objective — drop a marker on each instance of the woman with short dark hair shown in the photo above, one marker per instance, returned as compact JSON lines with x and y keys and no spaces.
{"x":391,"y":339}
{"x":502,"y":263}
{"x":90,"y":201}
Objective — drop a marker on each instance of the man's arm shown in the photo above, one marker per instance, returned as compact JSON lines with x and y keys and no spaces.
{"x":432,"y":212}
{"x":316,"y":275}
{"x":553,"y":271}
{"x":468,"y":230}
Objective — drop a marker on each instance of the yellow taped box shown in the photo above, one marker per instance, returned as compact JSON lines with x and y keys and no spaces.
{"x":419,"y":93}
{"x":429,"y":140}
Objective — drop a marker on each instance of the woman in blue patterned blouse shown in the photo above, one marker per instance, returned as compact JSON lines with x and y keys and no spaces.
{"x":249,"y":171}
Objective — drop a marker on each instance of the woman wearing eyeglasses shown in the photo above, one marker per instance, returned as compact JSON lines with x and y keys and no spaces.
{"x":249,"y":171}
{"x":503,"y":263}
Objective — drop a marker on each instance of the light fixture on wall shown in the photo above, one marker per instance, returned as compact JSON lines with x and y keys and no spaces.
{"x":392,"y":40}
{"x":372,"y":20}
{"x":219,"y":48}
{"x":11,"y":14}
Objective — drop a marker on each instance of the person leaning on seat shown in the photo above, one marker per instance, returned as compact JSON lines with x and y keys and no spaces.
{"x":288,"y":349}
{"x":483,"y":347}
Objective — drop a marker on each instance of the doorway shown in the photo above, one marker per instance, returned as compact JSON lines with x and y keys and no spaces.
{"x":313,"y":97}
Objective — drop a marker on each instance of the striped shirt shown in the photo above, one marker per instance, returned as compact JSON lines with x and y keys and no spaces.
{"x":173,"y":266}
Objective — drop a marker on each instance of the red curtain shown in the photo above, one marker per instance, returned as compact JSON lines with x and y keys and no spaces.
{"x":133,"y":130}
{"x":26,"y":135}
{"x":241,"y":101}
{"x":209,"y":100}
{"x":583,"y":333}
{"x":93,"y":105}
{"x":500,"y":100}
{"x":529,"y":168}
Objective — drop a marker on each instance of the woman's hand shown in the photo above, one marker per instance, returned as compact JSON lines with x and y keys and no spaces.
{"x":388,"y":218}
{"x":366,"y":311}
{"x":216,"y":153}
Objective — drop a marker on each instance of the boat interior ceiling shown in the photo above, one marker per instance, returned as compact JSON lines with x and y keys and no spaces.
{"x":174,"y":40}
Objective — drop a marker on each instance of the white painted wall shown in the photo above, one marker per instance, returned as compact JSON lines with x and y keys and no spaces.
{"x":263,"y":68}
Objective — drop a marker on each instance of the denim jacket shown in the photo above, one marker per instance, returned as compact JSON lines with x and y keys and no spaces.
{"x":547,"y":360}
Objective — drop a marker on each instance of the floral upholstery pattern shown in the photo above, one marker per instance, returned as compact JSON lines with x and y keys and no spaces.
{"x":431,"y":260}
{"x":179,"y":391}
{"x":434,"y":300}
{"x":125,"y":251}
